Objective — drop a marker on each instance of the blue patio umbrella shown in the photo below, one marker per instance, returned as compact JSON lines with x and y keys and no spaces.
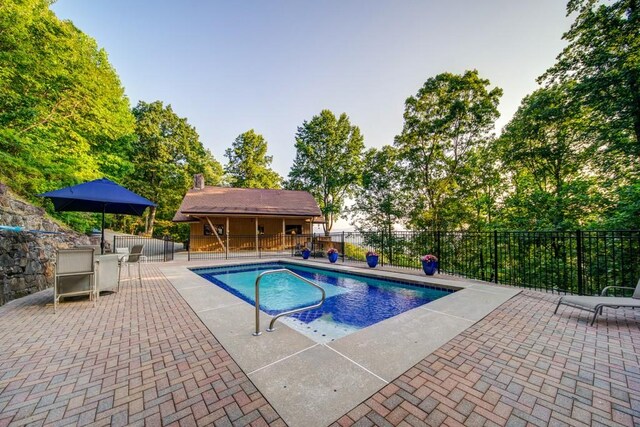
{"x":101,"y":195}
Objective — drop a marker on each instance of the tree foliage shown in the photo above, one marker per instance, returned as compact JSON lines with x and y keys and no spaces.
{"x":450,"y":116}
{"x":602,"y":58}
{"x":484,"y":188}
{"x":569,"y":157}
{"x":602,"y":63}
{"x":64,"y":117}
{"x":167,"y":153}
{"x":378,"y":203}
{"x":547,"y":149}
{"x":328,"y":162}
{"x":248,"y":165}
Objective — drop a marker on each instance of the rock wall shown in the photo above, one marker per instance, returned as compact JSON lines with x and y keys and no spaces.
{"x":26,"y":257}
{"x":16,"y":212}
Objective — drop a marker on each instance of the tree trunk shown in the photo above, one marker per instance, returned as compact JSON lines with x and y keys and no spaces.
{"x":634,"y":20}
{"x":151,"y":217}
{"x":635,"y":109}
{"x":328,"y":224}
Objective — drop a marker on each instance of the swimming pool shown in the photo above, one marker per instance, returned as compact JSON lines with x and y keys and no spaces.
{"x":353,"y":301}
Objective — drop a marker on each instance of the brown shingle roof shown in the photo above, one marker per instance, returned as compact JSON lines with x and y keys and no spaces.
{"x":246,"y":201}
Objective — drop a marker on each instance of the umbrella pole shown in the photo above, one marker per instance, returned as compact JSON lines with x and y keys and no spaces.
{"x":102,"y":241}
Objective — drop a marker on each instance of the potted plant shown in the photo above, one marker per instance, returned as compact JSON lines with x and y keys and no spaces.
{"x":372,"y":259}
{"x":305,"y":253}
{"x":332,"y":254}
{"x":429,"y":264}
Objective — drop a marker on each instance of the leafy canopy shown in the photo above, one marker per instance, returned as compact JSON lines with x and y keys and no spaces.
{"x":167,"y":153}
{"x":64,"y":117}
{"x":378,"y":200}
{"x":450,"y":116}
{"x":603,"y":59}
{"x":328,"y":162}
{"x":248,"y":165}
{"x":547,"y":148}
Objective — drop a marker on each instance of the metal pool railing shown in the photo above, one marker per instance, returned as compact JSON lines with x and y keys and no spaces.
{"x":285,"y":313}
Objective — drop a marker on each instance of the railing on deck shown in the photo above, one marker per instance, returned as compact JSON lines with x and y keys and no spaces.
{"x":581,"y":262}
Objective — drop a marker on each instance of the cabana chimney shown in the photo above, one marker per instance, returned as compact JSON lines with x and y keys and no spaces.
{"x":198,"y":181}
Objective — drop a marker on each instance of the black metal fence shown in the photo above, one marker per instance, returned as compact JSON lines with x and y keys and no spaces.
{"x":581,"y":262}
{"x":155,"y":249}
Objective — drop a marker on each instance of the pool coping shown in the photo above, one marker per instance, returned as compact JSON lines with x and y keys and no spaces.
{"x":304,"y":380}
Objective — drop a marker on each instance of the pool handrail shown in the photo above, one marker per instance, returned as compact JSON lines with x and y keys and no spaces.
{"x":284,"y":313}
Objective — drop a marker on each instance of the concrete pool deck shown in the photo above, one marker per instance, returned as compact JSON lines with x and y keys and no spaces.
{"x":306,"y":380}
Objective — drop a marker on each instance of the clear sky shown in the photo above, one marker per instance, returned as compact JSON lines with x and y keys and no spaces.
{"x":269,"y":65}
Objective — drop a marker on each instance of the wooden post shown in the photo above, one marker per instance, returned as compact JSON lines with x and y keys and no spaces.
{"x":215,"y":233}
{"x":284,"y":244}
{"x":257,"y":247}
{"x":226,"y":233}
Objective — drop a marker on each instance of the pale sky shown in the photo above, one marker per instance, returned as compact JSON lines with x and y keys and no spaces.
{"x":269,"y":65}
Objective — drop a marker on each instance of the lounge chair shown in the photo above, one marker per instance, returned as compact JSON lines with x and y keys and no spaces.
{"x":134,"y":257}
{"x":595,"y":304}
{"x":74,"y":275}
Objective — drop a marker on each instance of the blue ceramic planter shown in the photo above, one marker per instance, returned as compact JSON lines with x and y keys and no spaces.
{"x":306,"y":253}
{"x":430,"y":267}
{"x":333,"y":257}
{"x":372,"y":260}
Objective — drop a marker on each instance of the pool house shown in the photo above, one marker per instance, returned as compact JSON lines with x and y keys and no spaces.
{"x":224,"y":219}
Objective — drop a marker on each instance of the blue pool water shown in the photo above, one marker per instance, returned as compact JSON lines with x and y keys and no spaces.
{"x":352,"y":301}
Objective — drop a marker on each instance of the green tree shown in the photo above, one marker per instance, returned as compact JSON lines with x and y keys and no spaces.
{"x":547,"y":149}
{"x":484,"y":187}
{"x":167,"y":153}
{"x":623,"y":211}
{"x":602,"y":59}
{"x":64,"y":117}
{"x":449,"y":117}
{"x":248,"y":165}
{"x":378,"y":200}
{"x":328,"y":162}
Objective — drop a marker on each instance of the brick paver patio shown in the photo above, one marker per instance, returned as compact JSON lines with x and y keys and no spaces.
{"x":519,"y":366}
{"x":143,"y":357}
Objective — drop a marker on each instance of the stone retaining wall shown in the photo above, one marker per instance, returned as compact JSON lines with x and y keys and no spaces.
{"x":26,"y":258}
{"x":26,"y":261}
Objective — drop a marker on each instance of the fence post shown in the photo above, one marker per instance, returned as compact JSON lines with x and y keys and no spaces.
{"x":165,"y":248}
{"x":343,"y":248}
{"x":495,"y":256}
{"x":189,"y":248}
{"x":579,"y":262}
{"x":113,"y":249}
{"x":382,"y":249}
{"x":438,"y":254}
{"x":390,"y":244}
